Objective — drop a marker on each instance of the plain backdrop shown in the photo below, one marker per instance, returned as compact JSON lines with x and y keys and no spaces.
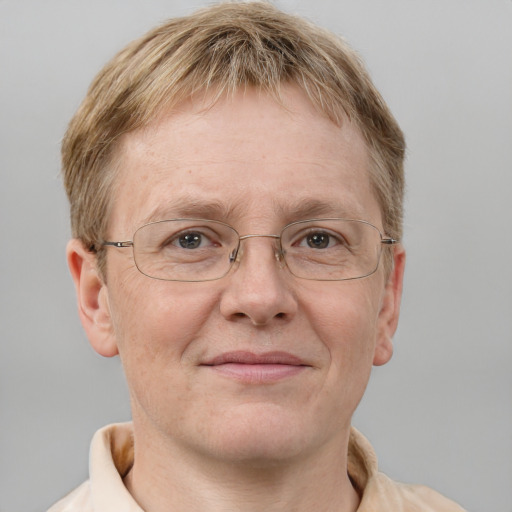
{"x":440,"y":413}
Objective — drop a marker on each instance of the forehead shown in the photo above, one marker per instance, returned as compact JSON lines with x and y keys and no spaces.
{"x":247,"y":156}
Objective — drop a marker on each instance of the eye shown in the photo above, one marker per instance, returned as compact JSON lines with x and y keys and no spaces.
{"x":319,"y":240}
{"x":191,"y":240}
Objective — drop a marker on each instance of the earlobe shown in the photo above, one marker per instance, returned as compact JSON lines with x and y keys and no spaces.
{"x":92,"y":297}
{"x":383,"y":351}
{"x":390,"y":309}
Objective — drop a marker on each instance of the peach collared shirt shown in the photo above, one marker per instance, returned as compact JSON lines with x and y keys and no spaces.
{"x":111,"y":457}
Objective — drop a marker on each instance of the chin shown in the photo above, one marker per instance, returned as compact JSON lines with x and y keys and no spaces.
{"x":261,"y":435}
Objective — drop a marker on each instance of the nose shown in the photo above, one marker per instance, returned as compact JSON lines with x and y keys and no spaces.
{"x":258,"y":289}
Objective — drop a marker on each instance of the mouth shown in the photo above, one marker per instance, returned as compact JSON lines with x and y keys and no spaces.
{"x":253,"y":368}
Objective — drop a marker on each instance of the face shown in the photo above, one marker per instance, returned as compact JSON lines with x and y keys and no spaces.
{"x":259,"y":364}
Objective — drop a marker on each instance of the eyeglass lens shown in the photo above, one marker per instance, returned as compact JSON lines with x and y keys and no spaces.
{"x":203,"y":250}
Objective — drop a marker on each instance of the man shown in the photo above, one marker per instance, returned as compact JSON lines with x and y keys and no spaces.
{"x":236,"y":187}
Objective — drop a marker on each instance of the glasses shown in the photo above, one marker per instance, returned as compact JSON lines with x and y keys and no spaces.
{"x":196,"y":250}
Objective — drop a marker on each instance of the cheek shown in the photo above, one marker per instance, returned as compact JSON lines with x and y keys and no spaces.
{"x":345,"y":320}
{"x":156,"y":320}
{"x":156,"y":324}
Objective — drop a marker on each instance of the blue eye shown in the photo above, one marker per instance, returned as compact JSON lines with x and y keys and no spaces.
{"x":318,"y":240}
{"x":191,"y":240}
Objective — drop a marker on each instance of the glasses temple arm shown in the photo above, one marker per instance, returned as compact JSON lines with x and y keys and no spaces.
{"x":118,"y":244}
{"x":389,"y":241}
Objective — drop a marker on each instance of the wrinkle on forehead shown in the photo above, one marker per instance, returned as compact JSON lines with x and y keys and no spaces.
{"x":251,"y":107}
{"x":246,"y":160}
{"x":188,"y":206}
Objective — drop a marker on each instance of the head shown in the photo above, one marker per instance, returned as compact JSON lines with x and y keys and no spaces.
{"x":216,"y":52}
{"x":244,"y":115}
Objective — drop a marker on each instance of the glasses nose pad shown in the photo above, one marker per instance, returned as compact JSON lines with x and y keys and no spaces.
{"x":235,"y":255}
{"x":279,"y":254}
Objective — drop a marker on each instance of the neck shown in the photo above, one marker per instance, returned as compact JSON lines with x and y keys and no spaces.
{"x":168,"y":476}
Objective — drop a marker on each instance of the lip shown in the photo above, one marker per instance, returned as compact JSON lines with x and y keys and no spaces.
{"x":253,"y":368}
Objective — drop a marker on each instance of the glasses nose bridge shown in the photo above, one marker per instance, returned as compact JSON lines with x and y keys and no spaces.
{"x":244,"y":237}
{"x":277,"y":250}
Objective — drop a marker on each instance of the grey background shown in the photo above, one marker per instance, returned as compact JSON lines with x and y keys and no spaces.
{"x":441,"y":412}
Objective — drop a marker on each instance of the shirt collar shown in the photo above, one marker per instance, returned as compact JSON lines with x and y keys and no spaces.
{"x":111,"y":458}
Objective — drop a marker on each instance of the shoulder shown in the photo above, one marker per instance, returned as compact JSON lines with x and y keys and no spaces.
{"x":409,"y":498}
{"x":381,"y":494}
{"x":111,"y":456}
{"x":78,"y":500}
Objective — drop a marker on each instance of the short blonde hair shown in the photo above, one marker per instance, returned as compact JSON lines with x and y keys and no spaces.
{"x":221,"y":49}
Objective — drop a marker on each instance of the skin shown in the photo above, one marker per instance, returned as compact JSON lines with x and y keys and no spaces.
{"x":204,"y":439}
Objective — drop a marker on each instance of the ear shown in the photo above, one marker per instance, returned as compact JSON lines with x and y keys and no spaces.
{"x":390,"y":309}
{"x":92,"y":297}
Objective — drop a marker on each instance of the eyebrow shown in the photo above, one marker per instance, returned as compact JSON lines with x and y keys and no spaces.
{"x":307,"y":208}
{"x":188,"y":206}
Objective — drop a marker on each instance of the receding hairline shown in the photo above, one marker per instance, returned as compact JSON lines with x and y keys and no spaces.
{"x":229,"y":45}
{"x":202,"y":103}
